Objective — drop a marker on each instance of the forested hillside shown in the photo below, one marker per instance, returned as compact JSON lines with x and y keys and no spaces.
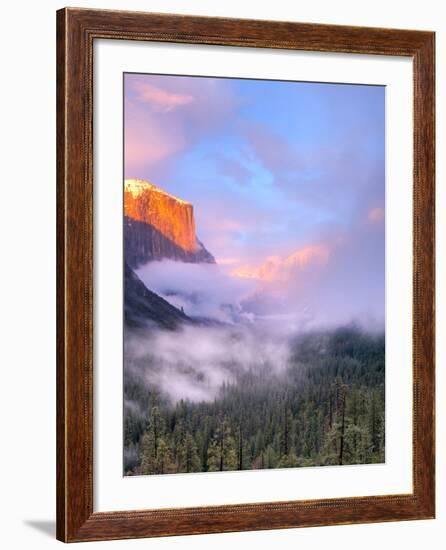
{"x":325,"y":408}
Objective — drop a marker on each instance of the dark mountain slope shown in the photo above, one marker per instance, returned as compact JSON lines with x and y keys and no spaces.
{"x":144,"y":243}
{"x":143,"y":308}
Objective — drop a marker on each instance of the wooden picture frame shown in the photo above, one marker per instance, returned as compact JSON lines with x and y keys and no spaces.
{"x":76,"y":31}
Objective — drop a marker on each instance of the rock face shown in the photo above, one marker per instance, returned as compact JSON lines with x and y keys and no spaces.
{"x":143,"y":308}
{"x":158,"y":225}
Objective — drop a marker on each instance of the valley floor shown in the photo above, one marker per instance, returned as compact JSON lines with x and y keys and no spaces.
{"x":325,"y":408}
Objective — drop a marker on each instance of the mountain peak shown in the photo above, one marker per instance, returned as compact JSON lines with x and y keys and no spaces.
{"x":159,"y":225}
{"x":138,"y":186}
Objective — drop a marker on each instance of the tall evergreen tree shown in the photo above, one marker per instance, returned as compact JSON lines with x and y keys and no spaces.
{"x":221,"y":452}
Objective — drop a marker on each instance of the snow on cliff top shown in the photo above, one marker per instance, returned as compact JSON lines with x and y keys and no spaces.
{"x":137,"y":186}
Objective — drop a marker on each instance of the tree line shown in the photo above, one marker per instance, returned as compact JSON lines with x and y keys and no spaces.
{"x":326,"y":409}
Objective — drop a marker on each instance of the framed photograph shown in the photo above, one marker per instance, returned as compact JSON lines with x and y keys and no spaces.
{"x":245,"y":275}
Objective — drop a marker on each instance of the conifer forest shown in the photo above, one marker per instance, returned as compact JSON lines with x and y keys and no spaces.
{"x":325,"y":408}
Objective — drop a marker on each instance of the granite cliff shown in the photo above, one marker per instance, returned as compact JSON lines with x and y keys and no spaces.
{"x":158,"y":225}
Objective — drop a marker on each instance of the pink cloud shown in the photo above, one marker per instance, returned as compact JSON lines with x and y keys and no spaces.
{"x":375,"y":215}
{"x":147,"y":143}
{"x":167,"y":115}
{"x":138,"y":151}
{"x":227,"y":261}
{"x":275,"y":268}
{"x":159,"y":99}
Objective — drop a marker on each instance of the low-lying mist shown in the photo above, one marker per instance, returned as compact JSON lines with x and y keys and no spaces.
{"x":243,"y":326}
{"x":309,"y":298}
{"x":202,"y":290}
{"x":194,"y":362}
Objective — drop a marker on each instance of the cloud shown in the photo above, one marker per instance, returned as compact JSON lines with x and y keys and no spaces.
{"x":182,"y":370}
{"x":274,"y":151}
{"x":276,"y":268}
{"x":319,"y":285}
{"x":148,"y":142}
{"x":159,"y":99}
{"x":232,"y":168}
{"x":168,"y":115}
{"x":228,"y":261}
{"x":333,"y":283}
{"x":202,"y":290}
{"x":331,"y":179}
{"x":375,"y":215}
{"x":139,"y":151}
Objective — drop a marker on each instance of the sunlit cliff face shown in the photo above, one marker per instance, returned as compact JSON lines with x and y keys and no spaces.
{"x":171,"y":216}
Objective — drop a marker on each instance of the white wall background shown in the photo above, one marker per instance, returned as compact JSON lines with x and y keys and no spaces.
{"x":27,"y":299}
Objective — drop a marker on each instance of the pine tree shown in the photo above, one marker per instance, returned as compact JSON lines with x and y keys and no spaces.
{"x":330,"y":449}
{"x":221,"y":453}
{"x":148,"y":454}
{"x":270,"y":459}
{"x":288,"y":461}
{"x":240,"y":448}
{"x":164,"y":463}
{"x":150,"y":444}
{"x":189,"y":460}
{"x":287,"y":438}
{"x":343,"y":390}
